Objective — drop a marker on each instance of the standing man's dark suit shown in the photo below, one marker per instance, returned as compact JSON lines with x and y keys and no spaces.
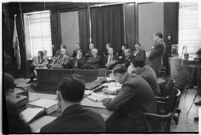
{"x":156,"y":56}
{"x":141,"y":54}
{"x":132,"y":101}
{"x":76,"y":119}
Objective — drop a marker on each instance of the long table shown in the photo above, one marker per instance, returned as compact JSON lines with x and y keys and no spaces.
{"x":37,"y":124}
{"x":49,"y":78}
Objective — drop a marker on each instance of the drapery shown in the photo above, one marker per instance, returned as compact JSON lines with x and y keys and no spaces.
{"x":84,"y":28}
{"x":55,"y":30}
{"x":107,"y":27}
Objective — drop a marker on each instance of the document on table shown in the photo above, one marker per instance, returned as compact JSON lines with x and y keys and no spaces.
{"x":30,"y":113}
{"x":39,"y":123}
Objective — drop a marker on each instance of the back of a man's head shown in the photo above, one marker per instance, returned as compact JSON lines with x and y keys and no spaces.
{"x":159,"y":34}
{"x":8,"y":82}
{"x":72,"y":88}
{"x":120,"y":68}
{"x":138,"y":62}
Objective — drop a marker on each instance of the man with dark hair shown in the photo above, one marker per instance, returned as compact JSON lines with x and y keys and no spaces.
{"x":139,"y":52}
{"x":131,"y":102}
{"x":121,"y":54}
{"x":13,"y":123}
{"x":127,"y":59}
{"x":74,"y":117}
{"x":138,"y":66}
{"x":157,"y":52}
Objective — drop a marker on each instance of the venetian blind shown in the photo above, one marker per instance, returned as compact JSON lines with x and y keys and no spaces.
{"x":38,"y":33}
{"x":189,"y":30}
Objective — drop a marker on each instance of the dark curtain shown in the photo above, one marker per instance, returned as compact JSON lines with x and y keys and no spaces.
{"x":21,"y":36}
{"x":55,"y":30}
{"x":107,"y":27}
{"x":7,"y":33}
{"x":84,"y":28}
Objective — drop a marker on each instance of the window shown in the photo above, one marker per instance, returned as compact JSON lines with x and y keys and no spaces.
{"x":189,"y":30}
{"x":37,"y":33}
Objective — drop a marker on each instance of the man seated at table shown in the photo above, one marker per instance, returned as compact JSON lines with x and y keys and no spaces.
{"x":110,"y":60}
{"x":131,"y":102}
{"x":61,"y":61}
{"x":13,"y":123}
{"x":93,"y":62}
{"x":74,"y":117}
{"x":89,"y":52}
{"x":138,"y":66}
{"x":77,"y":47}
{"x":79,"y":60}
{"x":127,"y":59}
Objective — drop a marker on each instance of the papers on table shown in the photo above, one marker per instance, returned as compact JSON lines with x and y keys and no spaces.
{"x":39,"y":123}
{"x":31,"y":113}
{"x":91,"y":103}
{"x":49,"y":105}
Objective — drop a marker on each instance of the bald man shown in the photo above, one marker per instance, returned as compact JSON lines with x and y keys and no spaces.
{"x":93,"y":62}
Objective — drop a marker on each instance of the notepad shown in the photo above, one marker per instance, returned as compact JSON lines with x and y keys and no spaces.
{"x":91,"y":103}
{"x":30,"y":114}
{"x":41,"y":122}
{"x":49,"y":105}
{"x":95,"y":97}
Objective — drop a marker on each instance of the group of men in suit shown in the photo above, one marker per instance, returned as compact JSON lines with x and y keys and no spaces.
{"x":136,"y":96}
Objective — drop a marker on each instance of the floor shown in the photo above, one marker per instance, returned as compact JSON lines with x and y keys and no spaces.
{"x":186,"y":119}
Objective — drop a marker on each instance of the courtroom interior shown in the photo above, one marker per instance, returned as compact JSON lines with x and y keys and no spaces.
{"x":101,"y":67}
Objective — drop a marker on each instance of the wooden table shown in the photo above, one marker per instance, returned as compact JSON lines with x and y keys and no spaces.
{"x":39,"y":123}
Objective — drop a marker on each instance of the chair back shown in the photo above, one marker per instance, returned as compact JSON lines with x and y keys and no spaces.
{"x":173,"y":101}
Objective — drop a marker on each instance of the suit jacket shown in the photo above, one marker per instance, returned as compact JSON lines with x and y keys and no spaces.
{"x":150,"y":76}
{"x":156,"y":56}
{"x":141,"y":53}
{"x":132,"y":101}
{"x":127,"y":60}
{"x":92,"y":63}
{"x":60,"y":61}
{"x":76,"y":119}
{"x":78,"y":63}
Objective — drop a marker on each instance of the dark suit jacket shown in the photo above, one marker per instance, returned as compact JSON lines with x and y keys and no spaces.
{"x":132,"y":101}
{"x":80,"y":62}
{"x":141,"y":53}
{"x":150,"y":76}
{"x":76,"y":119}
{"x":156,"y":56}
{"x":127,"y":60}
{"x":92,"y":63}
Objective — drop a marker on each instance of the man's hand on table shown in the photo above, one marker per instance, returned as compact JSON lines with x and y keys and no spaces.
{"x":108,"y":91}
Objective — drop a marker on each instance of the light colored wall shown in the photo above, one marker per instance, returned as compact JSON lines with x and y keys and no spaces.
{"x":69,"y":30}
{"x":151,"y":17}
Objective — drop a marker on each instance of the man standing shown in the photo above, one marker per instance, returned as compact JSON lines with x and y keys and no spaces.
{"x":131,"y":102}
{"x":74,"y":117}
{"x":157,"y":52}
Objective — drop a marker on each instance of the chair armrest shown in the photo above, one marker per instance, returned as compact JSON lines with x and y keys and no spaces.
{"x":158,"y":116}
{"x":162,"y":98}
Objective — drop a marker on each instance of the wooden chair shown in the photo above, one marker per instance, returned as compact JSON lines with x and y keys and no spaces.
{"x":164,"y":119}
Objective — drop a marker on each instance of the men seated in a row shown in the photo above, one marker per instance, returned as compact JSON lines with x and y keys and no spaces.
{"x":91,"y":59}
